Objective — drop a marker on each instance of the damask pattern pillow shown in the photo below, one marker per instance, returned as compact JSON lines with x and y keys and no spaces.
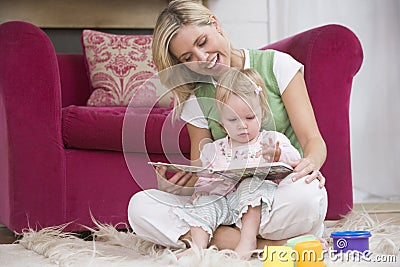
{"x":119,"y":69}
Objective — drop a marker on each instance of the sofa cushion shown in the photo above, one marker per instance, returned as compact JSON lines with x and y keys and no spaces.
{"x":119,"y":68}
{"x":123,"y":129}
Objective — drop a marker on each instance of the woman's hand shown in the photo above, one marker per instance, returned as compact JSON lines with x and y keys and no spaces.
{"x":305,"y":167}
{"x":181,"y":183}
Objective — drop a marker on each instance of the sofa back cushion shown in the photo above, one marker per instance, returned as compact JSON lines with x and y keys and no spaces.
{"x":75,"y":85}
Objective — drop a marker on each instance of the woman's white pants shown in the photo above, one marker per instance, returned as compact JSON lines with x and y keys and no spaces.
{"x":298,"y":208}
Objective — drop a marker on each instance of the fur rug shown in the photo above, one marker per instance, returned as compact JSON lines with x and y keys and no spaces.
{"x":115,"y":248}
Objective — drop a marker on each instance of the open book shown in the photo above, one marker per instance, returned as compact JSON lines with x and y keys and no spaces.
{"x":268,"y":171}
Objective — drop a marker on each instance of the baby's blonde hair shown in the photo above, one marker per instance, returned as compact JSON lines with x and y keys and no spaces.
{"x":246,"y":84}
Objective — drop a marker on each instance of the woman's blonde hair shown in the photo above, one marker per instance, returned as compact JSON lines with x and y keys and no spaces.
{"x":246,"y":84}
{"x":171,"y":19}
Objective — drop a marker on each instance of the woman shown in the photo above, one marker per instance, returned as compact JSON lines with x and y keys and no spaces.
{"x":187,"y":32}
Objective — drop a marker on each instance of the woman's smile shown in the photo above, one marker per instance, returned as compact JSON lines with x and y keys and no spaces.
{"x":213,"y":62}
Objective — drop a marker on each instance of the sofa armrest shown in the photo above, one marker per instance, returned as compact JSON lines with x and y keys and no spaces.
{"x":31,"y":148}
{"x":332,"y":56}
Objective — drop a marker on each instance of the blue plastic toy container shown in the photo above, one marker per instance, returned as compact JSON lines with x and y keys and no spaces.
{"x":351,"y":240}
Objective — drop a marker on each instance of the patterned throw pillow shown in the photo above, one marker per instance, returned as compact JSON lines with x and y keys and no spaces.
{"x":121,"y":70}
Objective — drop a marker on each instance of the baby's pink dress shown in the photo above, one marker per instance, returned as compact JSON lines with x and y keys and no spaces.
{"x":219,"y":154}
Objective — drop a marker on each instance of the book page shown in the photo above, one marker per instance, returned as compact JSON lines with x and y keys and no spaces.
{"x":270,"y":171}
{"x":174,"y":168}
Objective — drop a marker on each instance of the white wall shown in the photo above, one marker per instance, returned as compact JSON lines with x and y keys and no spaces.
{"x":374,"y":107}
{"x":245,"y":21}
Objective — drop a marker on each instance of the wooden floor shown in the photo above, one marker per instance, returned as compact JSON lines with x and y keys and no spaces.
{"x":381,"y":211}
{"x":6,"y":236}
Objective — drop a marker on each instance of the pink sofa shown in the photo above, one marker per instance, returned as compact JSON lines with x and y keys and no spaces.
{"x":61,"y":160}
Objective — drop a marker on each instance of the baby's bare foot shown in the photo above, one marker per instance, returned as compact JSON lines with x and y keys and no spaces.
{"x":323,"y":242}
{"x":245,"y":248}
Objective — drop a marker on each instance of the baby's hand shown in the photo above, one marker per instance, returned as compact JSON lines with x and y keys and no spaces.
{"x":198,"y":194}
{"x":270,"y":151}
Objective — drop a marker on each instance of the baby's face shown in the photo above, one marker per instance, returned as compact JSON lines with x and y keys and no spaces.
{"x":241,"y":120}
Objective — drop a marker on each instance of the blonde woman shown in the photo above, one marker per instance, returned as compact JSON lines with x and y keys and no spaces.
{"x":188,"y":33}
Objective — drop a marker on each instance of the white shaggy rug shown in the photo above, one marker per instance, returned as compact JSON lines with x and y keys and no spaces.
{"x":51,"y":247}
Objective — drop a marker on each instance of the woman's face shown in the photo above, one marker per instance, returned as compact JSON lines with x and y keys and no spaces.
{"x":203,"y":48}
